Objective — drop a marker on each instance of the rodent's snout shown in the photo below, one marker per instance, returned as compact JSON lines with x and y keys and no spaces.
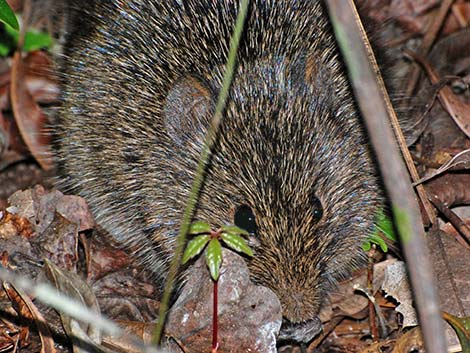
{"x":300,"y":301}
{"x":301,"y":332}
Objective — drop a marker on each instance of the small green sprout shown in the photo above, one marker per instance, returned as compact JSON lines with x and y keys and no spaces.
{"x":206,"y":238}
{"x":384,"y":227}
{"x":32,"y":41}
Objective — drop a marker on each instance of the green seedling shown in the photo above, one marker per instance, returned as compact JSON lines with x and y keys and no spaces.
{"x":10,"y":38}
{"x":383,"y":230}
{"x":211,"y":241}
{"x":229,"y":235}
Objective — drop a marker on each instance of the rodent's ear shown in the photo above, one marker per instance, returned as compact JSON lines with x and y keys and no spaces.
{"x":304,"y":69}
{"x":311,"y":69}
{"x":187,"y":110}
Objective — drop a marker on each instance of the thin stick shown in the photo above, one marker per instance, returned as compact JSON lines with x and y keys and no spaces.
{"x":453,"y":218}
{"x":373,"y":102}
{"x":370,"y":288}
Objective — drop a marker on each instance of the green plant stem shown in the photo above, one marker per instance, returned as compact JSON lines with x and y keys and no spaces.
{"x":200,"y":171}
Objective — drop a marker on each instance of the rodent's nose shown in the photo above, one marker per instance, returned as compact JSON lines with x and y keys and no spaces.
{"x":301,"y":332}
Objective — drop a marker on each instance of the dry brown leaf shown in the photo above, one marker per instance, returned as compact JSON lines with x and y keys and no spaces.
{"x":451,"y":262}
{"x":59,"y":242}
{"x":458,"y":110}
{"x":75,"y":209}
{"x":377,"y":347}
{"x":451,"y":188}
{"x":142,"y":330}
{"x":410,"y":341}
{"x":12,"y":225}
{"x":396,"y":285}
{"x":344,"y":300}
{"x":11,"y":336}
{"x":460,"y":161}
{"x":28,"y":115}
{"x":454,"y":233}
{"x":27,"y":309}
{"x":73,"y":286}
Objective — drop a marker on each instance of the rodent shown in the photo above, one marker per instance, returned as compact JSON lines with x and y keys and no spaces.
{"x":291,"y":161}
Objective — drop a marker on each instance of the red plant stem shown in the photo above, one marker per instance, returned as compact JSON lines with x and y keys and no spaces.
{"x":215,"y":326}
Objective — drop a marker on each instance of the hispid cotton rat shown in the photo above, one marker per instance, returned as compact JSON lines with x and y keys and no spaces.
{"x":292,"y":163}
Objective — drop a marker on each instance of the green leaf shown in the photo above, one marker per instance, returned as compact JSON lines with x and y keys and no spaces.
{"x":194,"y":247}
{"x":383,"y":228}
{"x":214,"y":258}
{"x":385,"y":225}
{"x":236,"y":243}
{"x":199,"y":227}
{"x":8,"y":16}
{"x":461,"y":327}
{"x":4,"y":49}
{"x":32,"y":40}
{"x":375,"y":239}
{"x":36,"y":40}
{"x":234,"y":230}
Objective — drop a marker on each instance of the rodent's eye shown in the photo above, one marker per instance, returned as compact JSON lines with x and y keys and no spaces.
{"x":245,"y":219}
{"x":317,"y":208}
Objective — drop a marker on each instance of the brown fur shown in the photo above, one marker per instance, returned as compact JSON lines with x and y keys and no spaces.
{"x":140,"y":87}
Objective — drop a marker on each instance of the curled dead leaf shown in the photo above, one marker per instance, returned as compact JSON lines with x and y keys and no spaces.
{"x":28,"y":310}
{"x":460,"y":161}
{"x":28,"y":115}
{"x":73,"y":286}
{"x":458,"y":109}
